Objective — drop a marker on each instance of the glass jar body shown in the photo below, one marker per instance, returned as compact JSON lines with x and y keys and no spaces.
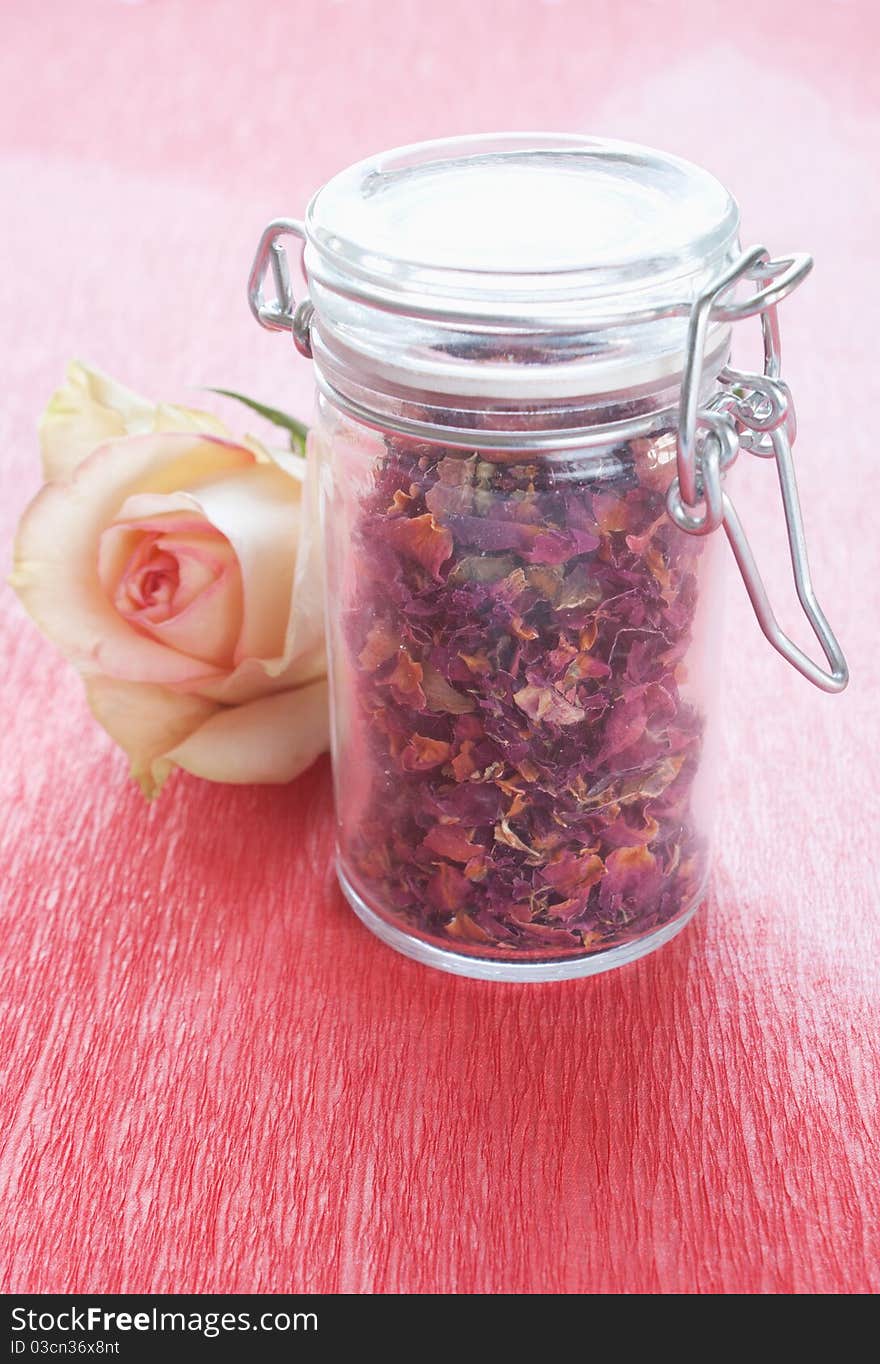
{"x":523,"y":657}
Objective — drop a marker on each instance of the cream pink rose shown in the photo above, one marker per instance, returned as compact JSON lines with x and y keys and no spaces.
{"x":179,"y":569}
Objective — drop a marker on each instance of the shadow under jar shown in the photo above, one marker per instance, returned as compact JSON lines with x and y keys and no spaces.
{"x":526,"y":425}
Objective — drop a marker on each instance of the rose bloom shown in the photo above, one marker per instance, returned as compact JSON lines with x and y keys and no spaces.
{"x":179,"y":569}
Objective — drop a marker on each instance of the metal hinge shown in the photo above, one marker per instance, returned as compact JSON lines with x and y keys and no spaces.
{"x":281,"y":314}
{"x":755,"y":413}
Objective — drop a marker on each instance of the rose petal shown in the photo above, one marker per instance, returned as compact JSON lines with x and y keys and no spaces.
{"x":441,"y":697}
{"x":90,"y":408}
{"x":56,"y":553}
{"x":259,"y":512}
{"x":270,"y":740}
{"x":422,"y":539}
{"x":146,"y":721}
{"x":204,"y":618}
{"x":303,"y":658}
{"x":200,"y":562}
{"x":548,"y":706}
{"x":447,"y":889}
{"x":304,"y":643}
{"x":120,"y":542}
{"x":573,"y":874}
{"x":632,"y":876}
{"x":406,"y":681}
{"x":462,"y":926}
{"x":422,"y":753}
{"x":381,"y":644}
{"x":452,"y":841}
{"x":208,"y":627}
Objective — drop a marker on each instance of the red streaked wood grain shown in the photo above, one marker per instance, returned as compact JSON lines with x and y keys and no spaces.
{"x":211,"y":1076}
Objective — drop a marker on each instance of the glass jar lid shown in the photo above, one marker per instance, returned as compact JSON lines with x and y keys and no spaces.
{"x":515,"y":268}
{"x":521,"y":229}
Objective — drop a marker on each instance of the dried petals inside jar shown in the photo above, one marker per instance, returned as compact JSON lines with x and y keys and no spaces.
{"x":520,"y":739}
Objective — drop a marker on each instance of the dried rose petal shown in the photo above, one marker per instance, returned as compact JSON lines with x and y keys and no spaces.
{"x":452,"y":841}
{"x":464,"y":764}
{"x":440,"y":696}
{"x":557,"y":547}
{"x":400,"y":502}
{"x":621,"y":834}
{"x":579,"y":588}
{"x":462,"y":927}
{"x":548,"y":705}
{"x":521,"y":643}
{"x":504,"y":834}
{"x":547,"y":581}
{"x":406,"y":681}
{"x":448,"y":889}
{"x":476,"y":663}
{"x":420,"y":538}
{"x":482,"y":568}
{"x":421,"y":753}
{"x":627,"y":872}
{"x":381,"y":644}
{"x":571,"y":872}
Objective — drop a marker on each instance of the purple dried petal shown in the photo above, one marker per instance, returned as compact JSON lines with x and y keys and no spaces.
{"x":440,"y":696}
{"x":557,"y":547}
{"x":547,"y":706}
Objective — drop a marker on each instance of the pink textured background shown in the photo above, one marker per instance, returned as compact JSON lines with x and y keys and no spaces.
{"x":213,"y":1078}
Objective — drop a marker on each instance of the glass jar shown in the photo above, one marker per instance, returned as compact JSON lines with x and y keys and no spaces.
{"x":527,"y":421}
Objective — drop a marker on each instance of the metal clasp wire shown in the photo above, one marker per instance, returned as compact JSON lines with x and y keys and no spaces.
{"x":280,"y":314}
{"x":755,"y":413}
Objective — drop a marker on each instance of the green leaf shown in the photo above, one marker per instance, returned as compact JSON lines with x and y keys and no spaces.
{"x":297,"y":430}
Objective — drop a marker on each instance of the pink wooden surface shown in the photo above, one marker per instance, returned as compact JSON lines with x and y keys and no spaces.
{"x":213,"y":1078}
